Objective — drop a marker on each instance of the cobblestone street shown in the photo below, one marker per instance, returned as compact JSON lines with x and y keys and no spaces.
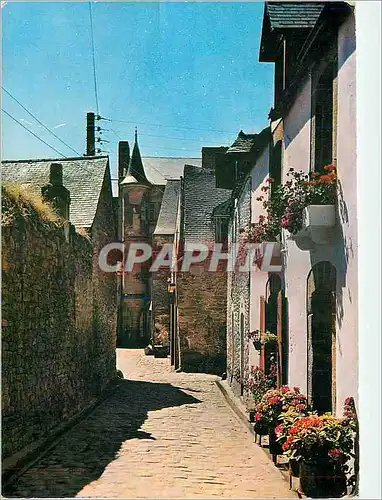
{"x":160,"y":435}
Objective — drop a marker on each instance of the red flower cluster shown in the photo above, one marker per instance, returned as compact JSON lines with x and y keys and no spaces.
{"x":335,"y":454}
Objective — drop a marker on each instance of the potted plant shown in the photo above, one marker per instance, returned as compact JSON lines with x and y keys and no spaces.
{"x":257,"y":384}
{"x":270,"y":340}
{"x":297,"y":409}
{"x":273,"y":404}
{"x":255,"y":337}
{"x":310,"y":202}
{"x":322,"y":445}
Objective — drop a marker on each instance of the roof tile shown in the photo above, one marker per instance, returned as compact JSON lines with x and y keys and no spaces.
{"x":82,"y":176}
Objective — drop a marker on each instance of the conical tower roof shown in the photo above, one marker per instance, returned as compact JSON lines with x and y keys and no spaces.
{"x":136,"y":173}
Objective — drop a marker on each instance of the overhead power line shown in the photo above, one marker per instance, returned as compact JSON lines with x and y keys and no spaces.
{"x":93,"y":56}
{"x":39,"y":121}
{"x":30,"y":131}
{"x":169,"y":126}
{"x":117,"y":132}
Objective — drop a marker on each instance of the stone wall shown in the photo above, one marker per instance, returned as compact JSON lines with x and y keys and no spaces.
{"x":159,"y":295}
{"x":105,"y":291}
{"x":202,"y":300}
{"x":55,"y":360}
{"x":238,"y":301}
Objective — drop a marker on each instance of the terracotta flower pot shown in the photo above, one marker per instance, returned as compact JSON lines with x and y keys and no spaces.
{"x":322,"y":480}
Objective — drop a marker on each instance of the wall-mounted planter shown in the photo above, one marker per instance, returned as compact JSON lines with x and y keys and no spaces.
{"x":319,"y":216}
{"x":318,"y":226}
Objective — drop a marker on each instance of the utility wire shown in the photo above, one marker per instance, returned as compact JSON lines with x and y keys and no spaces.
{"x":160,"y":147}
{"x":30,"y":131}
{"x":168,"y":126}
{"x":39,"y":121}
{"x":93,"y":54}
{"x":159,"y":136}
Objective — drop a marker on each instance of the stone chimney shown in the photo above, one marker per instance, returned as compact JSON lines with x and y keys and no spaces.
{"x":55,"y":192}
{"x":90,"y":134}
{"x":123,"y":159}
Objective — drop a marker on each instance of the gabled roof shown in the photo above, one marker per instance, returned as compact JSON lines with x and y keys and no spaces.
{"x":222,"y":210}
{"x":160,"y":169}
{"x":243,"y":144}
{"x":286,"y":16}
{"x":201,"y":196}
{"x":166,"y":223}
{"x":83,"y":176}
{"x":247,"y":147}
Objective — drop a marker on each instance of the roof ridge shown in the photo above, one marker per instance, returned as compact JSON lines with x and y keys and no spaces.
{"x":58,"y":160}
{"x":174,"y":157}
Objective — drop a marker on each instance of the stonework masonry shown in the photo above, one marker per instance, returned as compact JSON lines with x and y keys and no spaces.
{"x":238,"y":301}
{"x":202,"y":299}
{"x":58,"y":345}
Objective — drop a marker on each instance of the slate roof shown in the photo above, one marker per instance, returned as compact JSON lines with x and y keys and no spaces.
{"x":83,"y":177}
{"x":166,"y":223}
{"x":159,"y":169}
{"x":243,"y":144}
{"x":285,"y":15}
{"x":200,"y":198}
{"x":136,"y":172}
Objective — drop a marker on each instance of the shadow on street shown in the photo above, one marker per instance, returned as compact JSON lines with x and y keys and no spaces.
{"x":82,"y":455}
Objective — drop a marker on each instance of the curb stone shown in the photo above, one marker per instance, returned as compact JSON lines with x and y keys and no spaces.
{"x":240,"y":411}
{"x":29,"y":458}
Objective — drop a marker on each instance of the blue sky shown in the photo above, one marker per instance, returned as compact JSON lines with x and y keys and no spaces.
{"x":191,"y":68}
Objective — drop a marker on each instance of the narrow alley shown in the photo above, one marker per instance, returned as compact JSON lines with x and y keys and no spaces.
{"x":161,"y":434}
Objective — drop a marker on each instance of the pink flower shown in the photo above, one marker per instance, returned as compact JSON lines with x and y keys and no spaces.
{"x":279,"y":429}
{"x":334,"y":453}
{"x":284,"y":389}
{"x":258,"y":416}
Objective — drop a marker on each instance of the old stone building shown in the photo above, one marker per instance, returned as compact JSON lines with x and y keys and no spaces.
{"x":141,"y":187}
{"x":59,"y":308}
{"x":314,"y":118}
{"x":195,"y":212}
{"x":311,"y":304}
{"x":242,"y":163}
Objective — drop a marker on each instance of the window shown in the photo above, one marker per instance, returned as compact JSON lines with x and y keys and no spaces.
{"x":280,"y":73}
{"x":276,"y":165}
{"x":321,"y":310}
{"x":221,"y":229}
{"x":323,"y":120}
{"x":154,"y":208}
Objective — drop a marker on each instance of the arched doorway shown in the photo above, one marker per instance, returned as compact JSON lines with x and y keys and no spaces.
{"x":321,"y":310}
{"x":276,"y":323}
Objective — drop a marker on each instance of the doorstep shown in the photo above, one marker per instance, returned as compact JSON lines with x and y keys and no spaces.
{"x":239,"y":408}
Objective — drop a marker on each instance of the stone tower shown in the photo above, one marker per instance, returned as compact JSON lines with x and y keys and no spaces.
{"x":134,"y":191}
